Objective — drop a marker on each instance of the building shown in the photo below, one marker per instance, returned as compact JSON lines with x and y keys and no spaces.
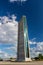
{"x":23,"y":48}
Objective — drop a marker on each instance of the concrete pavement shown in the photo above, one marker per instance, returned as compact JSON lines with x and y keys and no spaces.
{"x":22,"y":63}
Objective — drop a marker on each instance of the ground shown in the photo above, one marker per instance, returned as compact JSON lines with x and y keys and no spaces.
{"x":22,"y":63}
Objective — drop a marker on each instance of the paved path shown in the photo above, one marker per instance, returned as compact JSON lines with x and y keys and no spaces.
{"x":22,"y":63}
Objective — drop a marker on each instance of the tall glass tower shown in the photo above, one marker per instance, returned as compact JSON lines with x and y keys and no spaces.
{"x":22,"y":48}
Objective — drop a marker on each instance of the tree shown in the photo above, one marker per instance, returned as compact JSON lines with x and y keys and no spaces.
{"x":40,"y":56}
{"x":11,"y":58}
{"x":36,"y":58}
{"x":1,"y":59}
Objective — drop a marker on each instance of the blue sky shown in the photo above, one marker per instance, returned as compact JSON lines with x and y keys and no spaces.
{"x":33,"y":9}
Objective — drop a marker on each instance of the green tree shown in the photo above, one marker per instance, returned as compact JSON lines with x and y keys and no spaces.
{"x":1,"y":59}
{"x":40,"y":56}
{"x":11,"y":58}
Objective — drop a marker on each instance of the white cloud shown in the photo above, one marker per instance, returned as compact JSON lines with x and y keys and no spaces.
{"x":6,"y":55}
{"x":1,"y":51}
{"x":18,"y":0}
{"x":12,"y":49}
{"x":34,"y":51}
{"x":3,"y":54}
{"x":33,"y":39}
{"x":40,"y":46}
{"x":8,"y":34}
{"x":31,"y":42}
{"x":8,"y":29}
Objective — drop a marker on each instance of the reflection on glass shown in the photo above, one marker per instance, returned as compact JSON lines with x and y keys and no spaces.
{"x":26,"y":38}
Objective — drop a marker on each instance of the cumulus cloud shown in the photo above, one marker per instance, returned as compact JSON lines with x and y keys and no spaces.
{"x":9,"y":35}
{"x":9,"y":51}
{"x":31,"y":42}
{"x":3,"y":54}
{"x":40,"y":46}
{"x":35,"y":48}
{"x":18,"y":0}
{"x":8,"y":29}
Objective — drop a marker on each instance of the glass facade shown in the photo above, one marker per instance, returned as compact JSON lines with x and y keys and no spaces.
{"x":26,"y":38}
{"x":23,"y":49}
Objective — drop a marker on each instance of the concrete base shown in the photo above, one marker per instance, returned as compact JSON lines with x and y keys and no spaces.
{"x":23,"y":60}
{"x":28,"y":59}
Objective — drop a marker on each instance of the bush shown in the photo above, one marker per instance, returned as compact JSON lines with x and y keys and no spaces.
{"x":1,"y":59}
{"x":36,"y":58}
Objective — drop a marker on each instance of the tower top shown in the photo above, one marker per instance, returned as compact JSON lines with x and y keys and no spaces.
{"x":23,"y":16}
